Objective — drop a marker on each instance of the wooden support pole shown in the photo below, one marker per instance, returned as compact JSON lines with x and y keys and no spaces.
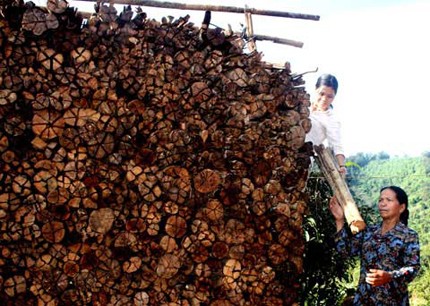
{"x":219,"y":8}
{"x":325,"y":161}
{"x":250,"y":31}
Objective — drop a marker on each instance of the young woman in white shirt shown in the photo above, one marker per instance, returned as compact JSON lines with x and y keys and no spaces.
{"x":325,"y":126}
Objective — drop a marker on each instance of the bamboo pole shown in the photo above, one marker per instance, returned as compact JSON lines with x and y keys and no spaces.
{"x":250,"y":30}
{"x":325,"y":161}
{"x":278,"y":40}
{"x":219,"y":8}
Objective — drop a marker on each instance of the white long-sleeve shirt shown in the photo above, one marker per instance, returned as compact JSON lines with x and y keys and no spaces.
{"x":326,"y":129}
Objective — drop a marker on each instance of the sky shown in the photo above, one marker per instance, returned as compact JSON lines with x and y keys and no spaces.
{"x":378,"y":50}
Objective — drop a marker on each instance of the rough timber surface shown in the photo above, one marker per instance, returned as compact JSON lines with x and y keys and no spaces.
{"x":145,"y":162}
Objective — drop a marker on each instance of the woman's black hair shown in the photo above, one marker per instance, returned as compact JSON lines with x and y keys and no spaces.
{"x":402,"y":197}
{"x":327,"y":80}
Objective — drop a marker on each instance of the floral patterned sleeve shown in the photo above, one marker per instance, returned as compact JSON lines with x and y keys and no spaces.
{"x":411,"y":259}
{"x":346,"y":244}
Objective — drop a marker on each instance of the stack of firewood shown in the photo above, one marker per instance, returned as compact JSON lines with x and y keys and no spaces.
{"x":145,"y":162}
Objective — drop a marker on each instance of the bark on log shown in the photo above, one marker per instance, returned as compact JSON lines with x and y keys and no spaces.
{"x":325,"y":160}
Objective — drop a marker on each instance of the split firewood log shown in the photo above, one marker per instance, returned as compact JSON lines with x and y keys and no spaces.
{"x":38,"y":21}
{"x":48,"y":124}
{"x":50,"y":59}
{"x":57,"y":6}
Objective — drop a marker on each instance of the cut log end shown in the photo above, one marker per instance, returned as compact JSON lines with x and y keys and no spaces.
{"x":357,"y":226}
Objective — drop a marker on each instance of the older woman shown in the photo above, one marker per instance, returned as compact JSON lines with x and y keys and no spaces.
{"x":389,"y":252}
{"x":325,"y":125}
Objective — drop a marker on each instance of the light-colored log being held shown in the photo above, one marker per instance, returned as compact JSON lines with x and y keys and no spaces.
{"x":325,"y":161}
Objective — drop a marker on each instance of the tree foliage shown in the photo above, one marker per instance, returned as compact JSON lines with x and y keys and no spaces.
{"x":325,"y":277}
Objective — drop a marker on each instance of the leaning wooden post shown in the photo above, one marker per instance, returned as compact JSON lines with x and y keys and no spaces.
{"x":250,"y":31}
{"x":326,"y":163}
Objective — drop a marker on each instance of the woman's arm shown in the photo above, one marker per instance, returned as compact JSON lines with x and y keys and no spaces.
{"x":340,"y":158}
{"x":404,"y":275}
{"x":334,"y":138}
{"x":411,"y":260}
{"x":337,"y":212}
{"x":346,"y":244}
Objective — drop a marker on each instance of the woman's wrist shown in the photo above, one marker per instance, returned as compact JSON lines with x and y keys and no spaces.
{"x":339,"y":224}
{"x":395,"y":274}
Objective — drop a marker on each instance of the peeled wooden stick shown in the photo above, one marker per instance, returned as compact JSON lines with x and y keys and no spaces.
{"x":325,"y":160}
{"x":250,"y":31}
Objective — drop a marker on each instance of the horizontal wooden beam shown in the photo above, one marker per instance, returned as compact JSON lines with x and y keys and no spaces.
{"x":219,"y":8}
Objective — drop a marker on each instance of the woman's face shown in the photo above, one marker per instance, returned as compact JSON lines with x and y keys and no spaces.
{"x":388,"y":205}
{"x":325,"y":96}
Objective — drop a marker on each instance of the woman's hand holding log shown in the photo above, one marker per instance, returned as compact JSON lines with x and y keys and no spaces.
{"x":337,"y":212}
